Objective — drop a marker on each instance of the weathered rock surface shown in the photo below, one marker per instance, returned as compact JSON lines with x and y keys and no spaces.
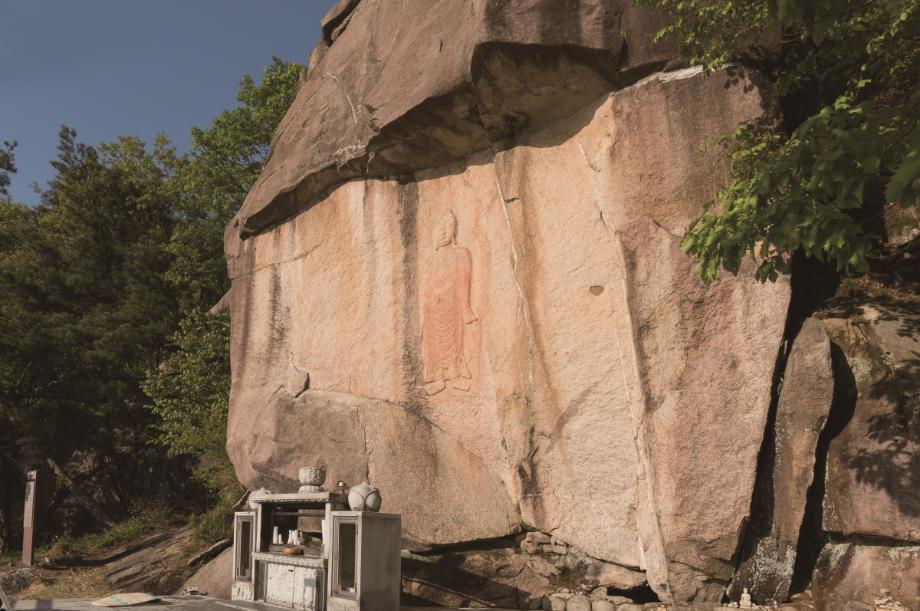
{"x":803,"y":408}
{"x":850,"y":576}
{"x":873,"y":472}
{"x":508,"y":333}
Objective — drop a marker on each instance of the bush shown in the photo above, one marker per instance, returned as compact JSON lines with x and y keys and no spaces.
{"x":217,"y":523}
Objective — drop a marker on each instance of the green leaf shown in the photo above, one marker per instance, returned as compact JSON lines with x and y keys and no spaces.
{"x":900,"y":188}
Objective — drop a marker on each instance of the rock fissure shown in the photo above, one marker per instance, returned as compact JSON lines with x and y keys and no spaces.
{"x":367,"y":453}
{"x":598,"y":198}
{"x":758,"y":523}
{"x":870,"y":540}
{"x":515,"y":258}
{"x":273,"y":264}
{"x":650,"y":538}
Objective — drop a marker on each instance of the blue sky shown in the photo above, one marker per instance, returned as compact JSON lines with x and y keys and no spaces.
{"x":140,"y":67}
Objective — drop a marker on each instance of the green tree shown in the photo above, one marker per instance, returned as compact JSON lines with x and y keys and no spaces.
{"x":847,"y":76}
{"x":86,"y":312}
{"x":190,"y":392}
{"x":7,"y":167}
{"x":16,"y":222}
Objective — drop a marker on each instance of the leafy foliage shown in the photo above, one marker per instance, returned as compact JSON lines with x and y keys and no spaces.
{"x":217,"y":522}
{"x":190,"y":392}
{"x":848,"y":75}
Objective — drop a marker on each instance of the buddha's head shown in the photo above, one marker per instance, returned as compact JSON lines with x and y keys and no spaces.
{"x":447,"y":229}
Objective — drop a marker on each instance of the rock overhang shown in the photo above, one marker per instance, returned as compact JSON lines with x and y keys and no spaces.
{"x":383,"y":100}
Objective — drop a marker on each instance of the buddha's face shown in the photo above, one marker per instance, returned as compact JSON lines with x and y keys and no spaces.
{"x":447,"y":230}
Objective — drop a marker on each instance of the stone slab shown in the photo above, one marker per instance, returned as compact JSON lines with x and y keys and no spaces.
{"x":805,"y":401}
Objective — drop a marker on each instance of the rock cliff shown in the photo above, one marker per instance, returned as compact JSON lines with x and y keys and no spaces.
{"x":459,"y":277}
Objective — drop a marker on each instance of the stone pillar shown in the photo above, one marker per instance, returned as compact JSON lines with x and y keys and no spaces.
{"x":28,"y":519}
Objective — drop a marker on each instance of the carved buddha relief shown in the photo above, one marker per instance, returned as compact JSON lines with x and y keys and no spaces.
{"x":446,"y":311}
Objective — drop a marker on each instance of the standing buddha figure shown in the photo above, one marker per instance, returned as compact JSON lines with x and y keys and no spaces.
{"x":446,"y":311}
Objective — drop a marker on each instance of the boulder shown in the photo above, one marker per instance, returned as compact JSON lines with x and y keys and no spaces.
{"x":578,"y":603}
{"x":901,"y":224}
{"x":508,"y":333}
{"x":530,"y":547}
{"x":556,"y":602}
{"x":590,"y":573}
{"x":804,"y":405}
{"x":852,"y":576}
{"x":215,"y":578}
{"x":602,"y":605}
{"x":873,"y":466}
{"x":613,"y":575}
{"x":14,"y":581}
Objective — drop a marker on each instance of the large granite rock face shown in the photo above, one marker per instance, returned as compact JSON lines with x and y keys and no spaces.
{"x":507,"y":333}
{"x":804,"y":404}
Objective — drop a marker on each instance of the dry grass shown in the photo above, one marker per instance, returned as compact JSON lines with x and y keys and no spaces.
{"x":82,"y":583}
